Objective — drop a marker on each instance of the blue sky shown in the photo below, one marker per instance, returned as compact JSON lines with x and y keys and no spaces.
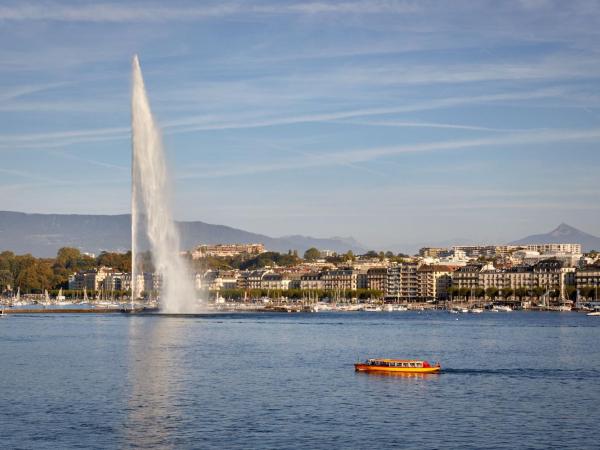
{"x":391,"y":121}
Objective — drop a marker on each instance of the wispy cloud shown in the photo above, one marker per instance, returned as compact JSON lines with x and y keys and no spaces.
{"x":401,"y":124}
{"x":215,"y":122}
{"x":154,"y":12}
{"x":203,"y":123}
{"x":61,"y":138}
{"x":324,"y":159}
{"x":21,"y":91}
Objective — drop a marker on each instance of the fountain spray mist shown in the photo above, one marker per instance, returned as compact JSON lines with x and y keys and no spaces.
{"x":150,"y":211}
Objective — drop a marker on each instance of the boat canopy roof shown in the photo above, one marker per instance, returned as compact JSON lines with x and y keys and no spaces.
{"x":397,"y":360}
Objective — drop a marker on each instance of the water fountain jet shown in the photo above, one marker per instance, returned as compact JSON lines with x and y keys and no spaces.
{"x":151,"y":215}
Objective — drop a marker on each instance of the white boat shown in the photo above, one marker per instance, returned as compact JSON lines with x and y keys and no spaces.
{"x":476,"y":310}
{"x":60,"y":297}
{"x":394,"y":307}
{"x":564,"y":308}
{"x":108,"y":304}
{"x":595,"y":313}
{"x":372,"y":308}
{"x":502,"y":308}
{"x":321,"y":306}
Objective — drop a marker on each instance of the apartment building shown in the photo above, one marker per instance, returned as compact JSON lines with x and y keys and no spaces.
{"x":434,"y":281}
{"x":587,"y":281}
{"x":377,"y":278}
{"x":341,"y":279}
{"x":225,"y":250}
{"x":89,"y":279}
{"x":547,"y":274}
{"x":274,"y":281}
{"x":311,"y":281}
{"x":403,"y":282}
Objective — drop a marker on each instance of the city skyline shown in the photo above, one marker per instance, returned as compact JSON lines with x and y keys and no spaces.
{"x":369,"y":119}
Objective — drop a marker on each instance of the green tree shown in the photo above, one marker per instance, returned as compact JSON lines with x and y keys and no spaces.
{"x":6,"y":279}
{"x":521,"y":292}
{"x":118,"y":261}
{"x":571,"y":292}
{"x":537,"y":291}
{"x":492,"y":292}
{"x":507,"y":292}
{"x":478,"y":292}
{"x":34,"y":275}
{"x":587,"y":292}
{"x":312,"y":254}
{"x":452,"y":291}
{"x":68,"y":257}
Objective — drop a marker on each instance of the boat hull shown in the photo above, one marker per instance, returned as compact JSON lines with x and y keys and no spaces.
{"x":382,"y":369}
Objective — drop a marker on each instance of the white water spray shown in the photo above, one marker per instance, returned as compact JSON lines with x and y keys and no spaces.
{"x":150,"y":211}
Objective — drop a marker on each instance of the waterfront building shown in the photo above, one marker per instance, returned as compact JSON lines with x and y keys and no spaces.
{"x":504,"y":278}
{"x":402,"y":281}
{"x":215,"y":280}
{"x":362,"y":279}
{"x":274,"y":281}
{"x":468,"y":276}
{"x":551,"y":276}
{"x":341,"y":279}
{"x":587,"y":281}
{"x":126,"y":282}
{"x":152,"y":283}
{"x":377,"y":278}
{"x":434,"y":281}
{"x":251,"y":279}
{"x":311,"y":281}
{"x":116,"y":281}
{"x":89,"y":279}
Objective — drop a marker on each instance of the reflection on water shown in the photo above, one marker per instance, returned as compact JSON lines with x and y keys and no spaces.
{"x":154,"y":372}
{"x":410,"y":376}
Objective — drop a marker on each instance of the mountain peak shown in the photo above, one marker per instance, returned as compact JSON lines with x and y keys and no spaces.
{"x":563,"y":234}
{"x":564,"y":229}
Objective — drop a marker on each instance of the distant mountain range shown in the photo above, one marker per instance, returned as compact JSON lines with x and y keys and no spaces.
{"x":563,"y":234}
{"x":44,"y":234}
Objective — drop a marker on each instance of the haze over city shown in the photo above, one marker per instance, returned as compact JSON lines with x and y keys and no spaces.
{"x":388,"y":121}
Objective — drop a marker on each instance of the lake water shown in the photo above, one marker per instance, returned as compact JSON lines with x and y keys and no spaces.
{"x":511,"y":380}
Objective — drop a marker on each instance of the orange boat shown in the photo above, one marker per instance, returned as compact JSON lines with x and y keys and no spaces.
{"x":397,"y":366}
